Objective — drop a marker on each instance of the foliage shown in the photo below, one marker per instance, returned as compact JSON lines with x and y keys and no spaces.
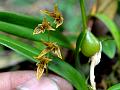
{"x":22,"y":26}
{"x":30,"y":52}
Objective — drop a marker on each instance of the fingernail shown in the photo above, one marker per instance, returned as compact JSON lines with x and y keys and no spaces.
{"x":43,"y":84}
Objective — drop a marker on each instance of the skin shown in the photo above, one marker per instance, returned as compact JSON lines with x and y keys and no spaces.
{"x":18,"y":79}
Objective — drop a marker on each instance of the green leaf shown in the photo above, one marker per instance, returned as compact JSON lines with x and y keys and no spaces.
{"x":18,"y":19}
{"x":115,"y":87}
{"x":19,"y":47}
{"x":11,"y":22}
{"x":112,"y":28}
{"x":109,"y":48}
{"x":58,"y":66}
{"x":27,"y":33}
{"x":22,"y":20}
{"x":73,"y":76}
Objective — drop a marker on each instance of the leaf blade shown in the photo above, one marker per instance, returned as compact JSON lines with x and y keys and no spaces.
{"x":18,"y":47}
{"x":109,"y":48}
{"x":28,"y":34}
{"x":69,"y":73}
{"x":115,"y":87}
{"x":19,"y":19}
{"x":112,"y":28}
{"x":77,"y":81}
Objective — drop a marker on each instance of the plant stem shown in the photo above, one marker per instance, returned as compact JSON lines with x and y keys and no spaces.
{"x":48,"y":36}
{"x":82,"y":34}
{"x":84,"y":20}
{"x":48,"y":55}
{"x":46,"y":69}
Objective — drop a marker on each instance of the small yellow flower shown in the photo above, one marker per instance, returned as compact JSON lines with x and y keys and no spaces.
{"x":56,"y":15}
{"x":41,"y":65}
{"x":42,"y":27}
{"x":51,"y":47}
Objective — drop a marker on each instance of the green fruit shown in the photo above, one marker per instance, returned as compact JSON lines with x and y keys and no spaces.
{"x":90,"y":45}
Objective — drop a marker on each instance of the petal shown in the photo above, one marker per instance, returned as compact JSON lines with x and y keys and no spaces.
{"x":45,"y":12}
{"x":58,"y":53}
{"x":40,"y":70}
{"x":59,"y":22}
{"x":56,"y":8}
{"x":50,"y":28}
{"x":42,"y":65}
{"x":48,"y":44}
{"x":44,"y":21}
{"x":38,"y":29}
{"x":45,"y":51}
{"x":47,"y":25}
{"x":56,"y":50}
{"x":43,"y":59}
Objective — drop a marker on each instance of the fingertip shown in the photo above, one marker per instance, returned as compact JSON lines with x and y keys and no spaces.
{"x":50,"y":82}
{"x":44,"y":83}
{"x":26,"y":80}
{"x":10,"y":80}
{"x":62,"y":83}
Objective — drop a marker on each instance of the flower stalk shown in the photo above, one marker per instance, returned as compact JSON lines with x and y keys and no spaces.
{"x":83,"y":13}
{"x":79,"y":41}
{"x":44,"y":58}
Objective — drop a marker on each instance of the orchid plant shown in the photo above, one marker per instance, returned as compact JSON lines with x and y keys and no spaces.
{"x":48,"y":33}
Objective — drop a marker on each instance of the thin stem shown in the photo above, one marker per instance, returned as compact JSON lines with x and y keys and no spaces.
{"x":46,"y":69}
{"x":47,"y":54}
{"x":82,"y":34}
{"x":48,"y":36}
{"x":84,"y":20}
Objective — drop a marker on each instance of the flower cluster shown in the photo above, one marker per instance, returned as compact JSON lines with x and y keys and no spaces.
{"x":50,"y":46}
{"x":58,"y":19}
{"x":42,"y":27}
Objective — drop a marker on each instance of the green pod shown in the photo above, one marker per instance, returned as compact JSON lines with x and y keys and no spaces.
{"x":90,"y":44}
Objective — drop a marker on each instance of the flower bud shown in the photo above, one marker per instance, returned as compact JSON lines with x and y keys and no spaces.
{"x":90,"y":44}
